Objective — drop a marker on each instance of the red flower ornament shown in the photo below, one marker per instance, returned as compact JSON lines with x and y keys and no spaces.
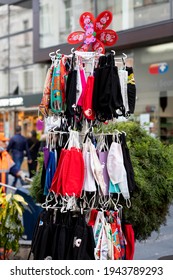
{"x":95,"y":36}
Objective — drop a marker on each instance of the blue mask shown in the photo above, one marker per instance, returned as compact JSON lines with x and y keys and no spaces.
{"x":113,"y":188}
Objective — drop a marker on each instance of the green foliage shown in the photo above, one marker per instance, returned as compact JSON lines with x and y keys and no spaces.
{"x":153,"y":167}
{"x":36,"y":190}
{"x":11,"y":228}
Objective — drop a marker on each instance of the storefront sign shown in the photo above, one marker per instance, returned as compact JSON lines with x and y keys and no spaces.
{"x":11,"y":102}
{"x":158,"y":68}
{"x":27,"y":101}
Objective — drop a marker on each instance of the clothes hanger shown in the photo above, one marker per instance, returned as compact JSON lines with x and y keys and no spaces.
{"x":52,"y":55}
{"x":57,"y":52}
{"x":55,"y":205}
{"x":47,"y":200}
{"x":124,"y":60}
{"x":101,"y":143}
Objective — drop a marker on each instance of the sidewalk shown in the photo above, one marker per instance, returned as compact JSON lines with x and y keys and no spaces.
{"x":159,"y":245}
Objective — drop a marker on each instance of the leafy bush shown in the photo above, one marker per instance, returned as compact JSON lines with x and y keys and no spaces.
{"x":36,"y":190}
{"x":153,"y":167}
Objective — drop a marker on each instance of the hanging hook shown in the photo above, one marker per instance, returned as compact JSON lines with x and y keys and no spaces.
{"x":72,"y":50}
{"x":52,"y":55}
{"x":124,"y":59}
{"x":57,"y":51}
{"x":112,"y":51}
{"x":125,"y":55}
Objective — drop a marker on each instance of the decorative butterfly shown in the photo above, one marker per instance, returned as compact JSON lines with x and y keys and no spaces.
{"x":95,"y":36}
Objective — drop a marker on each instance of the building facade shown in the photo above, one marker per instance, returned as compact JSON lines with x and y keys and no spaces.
{"x":21,"y":79}
{"x":30,"y":30}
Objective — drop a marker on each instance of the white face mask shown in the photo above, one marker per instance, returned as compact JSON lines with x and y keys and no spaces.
{"x":124,"y":187}
{"x":98,"y":170}
{"x":123,"y":76}
{"x":115,"y":163}
{"x":79,"y":85}
{"x":116,"y":169}
{"x":89,"y":182}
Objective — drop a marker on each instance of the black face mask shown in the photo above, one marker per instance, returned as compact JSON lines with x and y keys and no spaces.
{"x":107,"y":96}
{"x":131,"y":90}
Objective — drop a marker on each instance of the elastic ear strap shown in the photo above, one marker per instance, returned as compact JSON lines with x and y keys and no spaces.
{"x":76,"y":140}
{"x":66,"y":144}
{"x":47,"y":140}
{"x":71,"y":139}
{"x":128,"y":203}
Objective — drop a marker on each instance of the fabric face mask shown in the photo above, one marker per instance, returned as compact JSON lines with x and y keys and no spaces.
{"x":113,"y":188}
{"x":116,"y":169}
{"x":103,"y":160}
{"x":89,"y":182}
{"x":115,"y":163}
{"x":79,"y":85}
{"x":123,"y":75}
{"x":97,"y":169}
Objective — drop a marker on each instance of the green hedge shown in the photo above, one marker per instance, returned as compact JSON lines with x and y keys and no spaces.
{"x":153,"y":167}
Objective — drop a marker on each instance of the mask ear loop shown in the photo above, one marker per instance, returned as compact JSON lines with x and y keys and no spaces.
{"x":106,"y":204}
{"x":128,"y":203}
{"x":105,"y":144}
{"x":50,"y":141}
{"x":76,"y":140}
{"x":102,"y":198}
{"x":92,"y":201}
{"x":120,"y":214}
{"x":101,"y":143}
{"x":60,"y":139}
{"x":47,"y":141}
{"x":115,"y":205}
{"x":83,"y":203}
{"x":117,"y":200}
{"x":69,"y":139}
{"x":64,"y":204}
{"x":53,"y":141}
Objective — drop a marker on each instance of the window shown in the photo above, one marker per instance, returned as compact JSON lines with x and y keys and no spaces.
{"x":59,"y":18}
{"x":3,"y":83}
{"x":3,"y":20}
{"x":133,"y":13}
{"x":148,"y":10}
{"x":3,"y":53}
{"x":21,"y":49}
{"x":21,"y":16}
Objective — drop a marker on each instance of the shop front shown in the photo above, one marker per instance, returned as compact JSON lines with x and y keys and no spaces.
{"x":20,"y":110}
{"x":153,"y":68}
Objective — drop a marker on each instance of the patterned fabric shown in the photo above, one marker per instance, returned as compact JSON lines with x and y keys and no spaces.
{"x":44,"y":105}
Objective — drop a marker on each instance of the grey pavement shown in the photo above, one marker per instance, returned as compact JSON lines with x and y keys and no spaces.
{"x":159,"y":244}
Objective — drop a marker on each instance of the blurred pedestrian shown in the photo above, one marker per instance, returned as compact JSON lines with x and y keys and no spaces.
{"x":34,"y":146}
{"x":18,"y":147}
{"x":7,"y":165}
